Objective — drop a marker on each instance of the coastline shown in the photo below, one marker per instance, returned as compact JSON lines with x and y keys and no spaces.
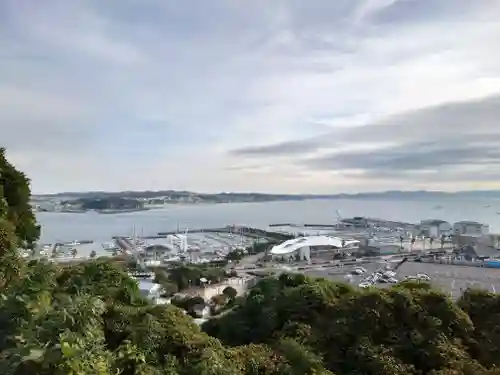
{"x":103,"y":212}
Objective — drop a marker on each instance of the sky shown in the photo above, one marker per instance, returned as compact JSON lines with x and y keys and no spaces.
{"x":315,"y":96}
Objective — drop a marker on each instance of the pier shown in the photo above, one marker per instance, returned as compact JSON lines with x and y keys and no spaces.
{"x":234,"y":229}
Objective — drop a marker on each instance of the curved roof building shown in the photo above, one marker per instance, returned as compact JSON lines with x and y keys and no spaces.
{"x":303,"y":245}
{"x":159,"y":248}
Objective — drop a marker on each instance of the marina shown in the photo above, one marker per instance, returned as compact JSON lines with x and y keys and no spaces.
{"x":321,"y":243}
{"x":357,"y":237}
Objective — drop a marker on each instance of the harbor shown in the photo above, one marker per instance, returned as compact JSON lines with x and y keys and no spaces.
{"x":356,"y":237}
{"x":362,"y":251}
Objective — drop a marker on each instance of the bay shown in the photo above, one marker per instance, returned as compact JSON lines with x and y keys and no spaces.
{"x":101,"y":227}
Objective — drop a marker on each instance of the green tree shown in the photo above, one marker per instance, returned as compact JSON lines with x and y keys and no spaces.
{"x":89,"y":318}
{"x":230,"y":292}
{"x":15,"y":204}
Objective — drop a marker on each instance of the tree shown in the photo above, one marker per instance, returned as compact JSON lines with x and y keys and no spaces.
{"x":90,"y":318}
{"x":168,"y":289}
{"x":388,"y":331}
{"x":230,"y":292}
{"x":93,"y":254}
{"x":15,"y":204}
{"x":235,"y":255}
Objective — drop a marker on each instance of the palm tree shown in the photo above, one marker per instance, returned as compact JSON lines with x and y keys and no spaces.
{"x":431,"y":240}
{"x":412,"y":243}
{"x":93,"y":254}
{"x":401,"y":239}
{"x":442,"y":241}
{"x":74,"y":252}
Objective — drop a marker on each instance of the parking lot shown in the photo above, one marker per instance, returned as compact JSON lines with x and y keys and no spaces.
{"x":450,"y":279}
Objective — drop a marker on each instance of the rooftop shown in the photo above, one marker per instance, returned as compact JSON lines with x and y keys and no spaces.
{"x":468,"y":222}
{"x":433,"y":222}
{"x":295,"y":244}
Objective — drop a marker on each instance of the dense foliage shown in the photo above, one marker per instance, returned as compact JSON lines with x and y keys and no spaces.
{"x":15,"y":204}
{"x":182,"y":277}
{"x":115,"y":203}
{"x":90,"y":319}
{"x":408,"y":329}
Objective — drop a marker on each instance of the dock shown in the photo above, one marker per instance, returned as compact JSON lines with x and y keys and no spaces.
{"x":246,"y":231}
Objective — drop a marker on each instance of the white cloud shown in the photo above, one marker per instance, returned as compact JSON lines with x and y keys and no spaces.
{"x":154,"y":94}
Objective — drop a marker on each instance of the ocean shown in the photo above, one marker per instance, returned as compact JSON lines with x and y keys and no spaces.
{"x":62,"y":227}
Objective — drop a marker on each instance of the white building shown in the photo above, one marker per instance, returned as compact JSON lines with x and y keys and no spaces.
{"x":149,"y":289}
{"x":470,"y":228}
{"x":301,"y":247}
{"x":435,"y":228}
{"x":156,"y":252}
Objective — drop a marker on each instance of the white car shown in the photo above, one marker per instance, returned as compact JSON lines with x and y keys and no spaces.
{"x":358,"y":271}
{"x":411,"y":278}
{"x":365,"y":285}
{"x":388,"y":279}
{"x":423,"y":277}
{"x":389,"y":274}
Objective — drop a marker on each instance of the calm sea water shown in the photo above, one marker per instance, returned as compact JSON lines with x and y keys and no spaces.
{"x":97,"y":227}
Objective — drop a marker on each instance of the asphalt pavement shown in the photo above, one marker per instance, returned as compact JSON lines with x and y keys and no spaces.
{"x":451,"y":279}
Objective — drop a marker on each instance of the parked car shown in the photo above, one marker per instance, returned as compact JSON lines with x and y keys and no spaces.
{"x":358,"y":271}
{"x":411,"y":278}
{"x":423,"y":277}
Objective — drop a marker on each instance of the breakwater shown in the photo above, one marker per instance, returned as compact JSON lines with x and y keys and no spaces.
{"x":245,"y":231}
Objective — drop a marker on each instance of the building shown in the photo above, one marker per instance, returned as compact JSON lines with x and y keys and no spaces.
{"x":473,"y":228}
{"x":156,"y":252}
{"x":300,"y":248}
{"x":149,"y":289}
{"x":435,"y":228}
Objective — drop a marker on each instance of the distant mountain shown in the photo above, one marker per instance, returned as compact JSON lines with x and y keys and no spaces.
{"x":256,"y":197}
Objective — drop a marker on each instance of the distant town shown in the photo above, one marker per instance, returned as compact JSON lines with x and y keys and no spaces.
{"x":104,"y":202}
{"x":114,"y":202}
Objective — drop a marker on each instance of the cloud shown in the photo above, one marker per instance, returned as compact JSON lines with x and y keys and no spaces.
{"x":410,"y":157}
{"x":299,"y":147}
{"x":457,"y":141}
{"x":156,"y":94}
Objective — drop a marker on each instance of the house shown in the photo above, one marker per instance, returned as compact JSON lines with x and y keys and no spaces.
{"x":149,"y":289}
{"x":472,"y":228}
{"x":435,"y":228}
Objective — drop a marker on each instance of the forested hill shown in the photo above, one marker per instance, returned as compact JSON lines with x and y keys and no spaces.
{"x":174,"y":195}
{"x":91,"y":319}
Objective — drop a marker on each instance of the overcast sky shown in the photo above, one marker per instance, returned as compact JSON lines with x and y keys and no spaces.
{"x":296,"y":96}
